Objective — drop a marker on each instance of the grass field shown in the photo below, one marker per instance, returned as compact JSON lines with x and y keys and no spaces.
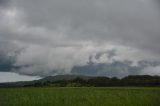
{"x":80,"y":97}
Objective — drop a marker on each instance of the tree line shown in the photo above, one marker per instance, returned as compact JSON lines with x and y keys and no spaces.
{"x":137,"y":80}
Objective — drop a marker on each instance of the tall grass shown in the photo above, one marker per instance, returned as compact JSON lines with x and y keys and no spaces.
{"x":80,"y":97}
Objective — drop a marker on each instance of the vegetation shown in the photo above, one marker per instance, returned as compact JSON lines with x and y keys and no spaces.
{"x":103,"y":82}
{"x":85,"y":81}
{"x":89,"y":96}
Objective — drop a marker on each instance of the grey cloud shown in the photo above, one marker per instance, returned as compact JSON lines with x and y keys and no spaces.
{"x":109,"y":53}
{"x":134,"y":23}
{"x":119,"y":69}
{"x":54,"y":36}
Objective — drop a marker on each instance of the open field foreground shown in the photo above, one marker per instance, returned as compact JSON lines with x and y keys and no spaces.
{"x":80,"y":96}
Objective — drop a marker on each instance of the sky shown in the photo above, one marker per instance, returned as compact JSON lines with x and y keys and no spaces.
{"x":14,"y":77}
{"x":40,"y":38}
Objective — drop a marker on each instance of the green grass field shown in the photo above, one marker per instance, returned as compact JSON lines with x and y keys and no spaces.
{"x":80,"y":97}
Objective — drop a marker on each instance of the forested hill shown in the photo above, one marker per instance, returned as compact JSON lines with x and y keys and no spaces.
{"x":87,"y":81}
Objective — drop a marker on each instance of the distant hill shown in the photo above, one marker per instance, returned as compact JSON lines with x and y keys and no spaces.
{"x":63,"y":77}
{"x":80,"y":80}
{"x":43,"y":80}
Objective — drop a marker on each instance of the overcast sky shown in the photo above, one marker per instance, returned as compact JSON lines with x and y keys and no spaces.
{"x":51,"y":37}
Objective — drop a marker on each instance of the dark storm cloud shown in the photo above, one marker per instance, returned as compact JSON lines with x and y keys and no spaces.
{"x":6,"y":64}
{"x":157,"y":1}
{"x":157,"y":4}
{"x":115,"y":69}
{"x":57,"y":35}
{"x":4,"y":3}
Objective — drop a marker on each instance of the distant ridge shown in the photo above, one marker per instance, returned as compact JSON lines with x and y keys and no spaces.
{"x":81,"y":80}
{"x":64,"y":77}
{"x":46,"y":79}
